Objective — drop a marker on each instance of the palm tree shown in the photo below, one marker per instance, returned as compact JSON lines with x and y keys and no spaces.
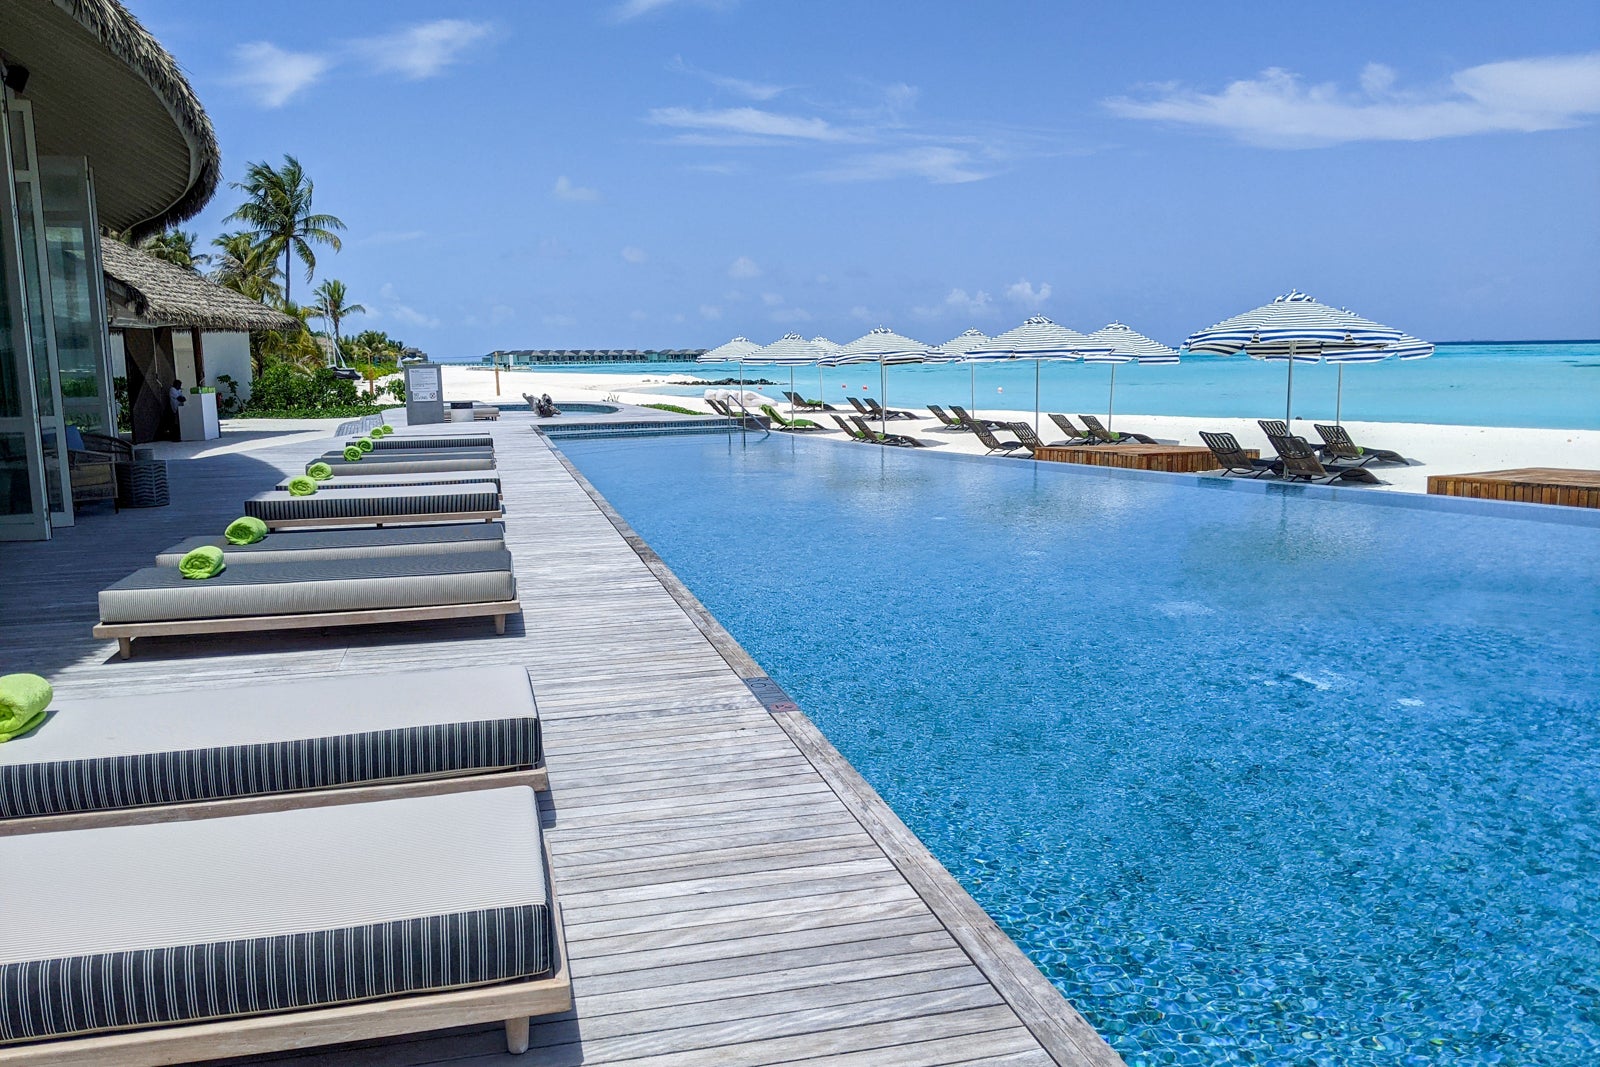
{"x":278,"y":205}
{"x":244,"y":266}
{"x":330,"y":306}
{"x":176,"y":247}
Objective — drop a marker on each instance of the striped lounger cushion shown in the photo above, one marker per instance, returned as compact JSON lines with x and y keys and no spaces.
{"x":409,"y":455}
{"x":408,"y":463}
{"x":271,"y":737}
{"x":158,"y":594}
{"x":133,"y":926}
{"x":377,"y":501}
{"x":347,"y":479}
{"x":478,"y":440}
{"x":289,"y":546}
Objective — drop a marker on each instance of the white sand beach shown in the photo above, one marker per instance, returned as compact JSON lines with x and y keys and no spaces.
{"x":1433,"y":448}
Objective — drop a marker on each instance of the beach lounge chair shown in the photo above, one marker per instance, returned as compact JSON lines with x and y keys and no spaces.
{"x":422,"y":461}
{"x":1300,"y":463}
{"x":899,"y":440}
{"x":163,"y":942}
{"x":160,"y":602}
{"x":876,"y":410}
{"x":993,"y":443}
{"x":950,"y":422}
{"x":1234,"y":460}
{"x":781,"y":423}
{"x":378,"y":505}
{"x":420,"y":441}
{"x":969,"y":420}
{"x":802,"y":404}
{"x":245,"y":745}
{"x":850,"y":431}
{"x":720,"y":408}
{"x":346,"y":478}
{"x":1103,"y":436}
{"x":1075,"y":436}
{"x":298,"y":546}
{"x":861,"y":409}
{"x":1030,"y":440}
{"x":1337,"y":445}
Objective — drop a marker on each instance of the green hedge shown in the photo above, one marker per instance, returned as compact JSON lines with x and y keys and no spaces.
{"x":675,"y":409}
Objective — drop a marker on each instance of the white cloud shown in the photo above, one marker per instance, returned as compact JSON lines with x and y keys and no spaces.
{"x":751,"y":90}
{"x":274,"y":76}
{"x":391,"y":237}
{"x":710,"y":312}
{"x":565,"y":190}
{"x":632,"y":254}
{"x":1277,"y":110}
{"x":748,"y":122}
{"x":772,"y":300}
{"x":410,"y":316}
{"x":938,"y":164}
{"x":501,"y":313}
{"x":744,"y":267}
{"x":558,"y":320}
{"x":637,"y":315}
{"x":791,"y":315}
{"x":861,"y":313}
{"x":632,"y":9}
{"x":423,"y":50}
{"x":1024,"y":293}
{"x":959,"y":301}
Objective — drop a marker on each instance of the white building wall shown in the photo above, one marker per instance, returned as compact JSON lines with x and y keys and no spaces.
{"x":228,"y":353}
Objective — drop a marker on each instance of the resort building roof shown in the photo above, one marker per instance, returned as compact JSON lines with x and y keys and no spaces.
{"x":145,"y":292}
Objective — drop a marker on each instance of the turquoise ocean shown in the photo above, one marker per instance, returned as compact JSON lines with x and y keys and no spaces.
{"x":1552,"y":385}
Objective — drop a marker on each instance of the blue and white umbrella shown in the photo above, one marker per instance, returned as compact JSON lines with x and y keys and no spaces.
{"x":1407,"y":348}
{"x":885,"y":348}
{"x":791,"y":350}
{"x":1127,"y":346}
{"x":1040,"y":339}
{"x":958,"y":350}
{"x":735,"y":351}
{"x":1294,"y":328}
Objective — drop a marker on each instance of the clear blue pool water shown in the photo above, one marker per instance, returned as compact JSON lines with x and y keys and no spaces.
{"x":1255,"y":777}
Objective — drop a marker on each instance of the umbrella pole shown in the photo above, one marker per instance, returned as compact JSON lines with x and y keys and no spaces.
{"x":883,"y":391}
{"x":1338,"y":403}
{"x":791,"y":394}
{"x":743,"y":413}
{"x":1036,"y":364}
{"x":972,"y":399}
{"x":1288,"y":396}
{"x":1111,"y":398}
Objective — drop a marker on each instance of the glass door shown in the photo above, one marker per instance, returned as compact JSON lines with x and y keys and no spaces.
{"x":24,"y":514}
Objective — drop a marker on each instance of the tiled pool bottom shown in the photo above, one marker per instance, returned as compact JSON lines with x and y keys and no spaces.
{"x":1254,"y":777}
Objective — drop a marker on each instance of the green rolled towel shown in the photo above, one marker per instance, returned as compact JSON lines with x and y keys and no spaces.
{"x":364,"y":443}
{"x":320,"y":471}
{"x":302,"y":485}
{"x":202,"y":562}
{"x":382,"y":430}
{"x":352,"y":453}
{"x":246,"y":530}
{"x":23,"y":699}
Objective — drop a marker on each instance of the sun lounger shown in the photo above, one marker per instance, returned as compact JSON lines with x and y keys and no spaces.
{"x":802,"y":404}
{"x":409,"y":455}
{"x":1075,"y":436}
{"x":1234,"y":460}
{"x":876,"y":410}
{"x":347,"y":479}
{"x":1336,"y":444}
{"x":173,"y":941}
{"x":899,"y":440}
{"x":949,"y":422}
{"x":160,"y":602}
{"x":850,"y":431}
{"x":243,"y":745}
{"x":993,"y":443}
{"x":1300,"y":463}
{"x":298,"y":546}
{"x":720,"y":408}
{"x":970,"y":420}
{"x":378,"y":505}
{"x":1100,"y":435}
{"x":780,"y":423}
{"x":1031,"y":440}
{"x":861,"y":409}
{"x":416,"y":462}
{"x":411,"y":442}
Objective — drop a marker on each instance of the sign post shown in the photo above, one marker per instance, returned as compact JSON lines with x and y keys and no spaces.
{"x":424,"y":394}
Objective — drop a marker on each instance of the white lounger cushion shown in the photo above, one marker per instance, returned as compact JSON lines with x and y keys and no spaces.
{"x":287,"y":546}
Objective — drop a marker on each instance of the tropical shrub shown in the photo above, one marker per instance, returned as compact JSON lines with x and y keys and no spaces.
{"x":284,"y":391}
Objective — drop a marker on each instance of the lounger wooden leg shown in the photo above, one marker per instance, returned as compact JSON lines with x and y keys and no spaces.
{"x":517,"y":1035}
{"x":499,"y":624}
{"x":125,"y":647}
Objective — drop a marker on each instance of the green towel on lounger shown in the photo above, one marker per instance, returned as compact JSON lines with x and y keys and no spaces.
{"x":352,"y":453}
{"x":23,"y":698}
{"x":302,"y":485}
{"x":320,"y":471}
{"x":246,"y":530}
{"x":382,"y":430}
{"x":364,"y":443}
{"x":202,"y":562}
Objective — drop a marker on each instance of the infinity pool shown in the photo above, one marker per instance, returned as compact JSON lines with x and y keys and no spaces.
{"x":1256,"y":777}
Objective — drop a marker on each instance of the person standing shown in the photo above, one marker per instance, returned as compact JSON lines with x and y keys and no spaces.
{"x":175,"y":401}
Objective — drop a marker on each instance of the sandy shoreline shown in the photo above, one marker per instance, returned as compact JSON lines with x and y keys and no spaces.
{"x":1433,"y":448}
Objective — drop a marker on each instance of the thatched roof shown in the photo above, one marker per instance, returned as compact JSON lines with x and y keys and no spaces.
{"x":101,"y":86}
{"x":145,"y":292}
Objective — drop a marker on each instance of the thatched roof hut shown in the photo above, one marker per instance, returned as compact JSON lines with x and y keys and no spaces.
{"x":100,"y":86}
{"x":144,"y":293}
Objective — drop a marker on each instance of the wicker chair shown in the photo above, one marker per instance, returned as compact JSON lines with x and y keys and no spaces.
{"x":92,"y":460}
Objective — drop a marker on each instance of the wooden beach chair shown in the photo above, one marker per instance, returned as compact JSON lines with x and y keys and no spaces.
{"x":899,"y":440}
{"x":876,"y":410}
{"x":218,"y":935}
{"x":1030,"y":440}
{"x":950,"y":422}
{"x":1103,"y":436}
{"x":993,"y":443}
{"x":969,"y":420}
{"x":861,"y":409}
{"x":1075,"y":436}
{"x":1234,"y":460}
{"x":1300,"y":463}
{"x":1336,"y":444}
{"x":378,"y":505}
{"x":850,"y":431}
{"x":802,"y":404}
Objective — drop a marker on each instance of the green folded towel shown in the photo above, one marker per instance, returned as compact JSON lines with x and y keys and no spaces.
{"x":320,"y":471}
{"x":364,"y":443}
{"x":23,"y":698}
{"x":382,"y":430}
{"x":302,"y":485}
{"x":352,"y":453}
{"x":246,"y":530}
{"x":202,"y":562}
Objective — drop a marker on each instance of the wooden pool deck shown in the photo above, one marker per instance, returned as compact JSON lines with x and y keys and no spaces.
{"x":734,"y":892}
{"x":1528,"y":485}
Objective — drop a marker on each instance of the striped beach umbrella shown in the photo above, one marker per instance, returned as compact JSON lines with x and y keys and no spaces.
{"x":1407,"y":348}
{"x":735,"y":351}
{"x":1294,"y":328}
{"x":884,"y":347}
{"x":1040,"y":339}
{"x":791,"y":350}
{"x":958,"y":350}
{"x":1127,"y":346}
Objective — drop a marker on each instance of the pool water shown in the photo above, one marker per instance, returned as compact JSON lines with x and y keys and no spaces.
{"x":1254,"y":776}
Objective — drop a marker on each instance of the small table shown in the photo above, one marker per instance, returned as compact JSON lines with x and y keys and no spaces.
{"x":1177,"y":459}
{"x":1528,"y":485}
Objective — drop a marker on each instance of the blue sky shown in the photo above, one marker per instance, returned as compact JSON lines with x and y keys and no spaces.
{"x":666,"y":173}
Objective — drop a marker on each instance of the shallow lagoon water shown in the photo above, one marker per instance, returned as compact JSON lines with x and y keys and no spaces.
{"x":1253,"y":777}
